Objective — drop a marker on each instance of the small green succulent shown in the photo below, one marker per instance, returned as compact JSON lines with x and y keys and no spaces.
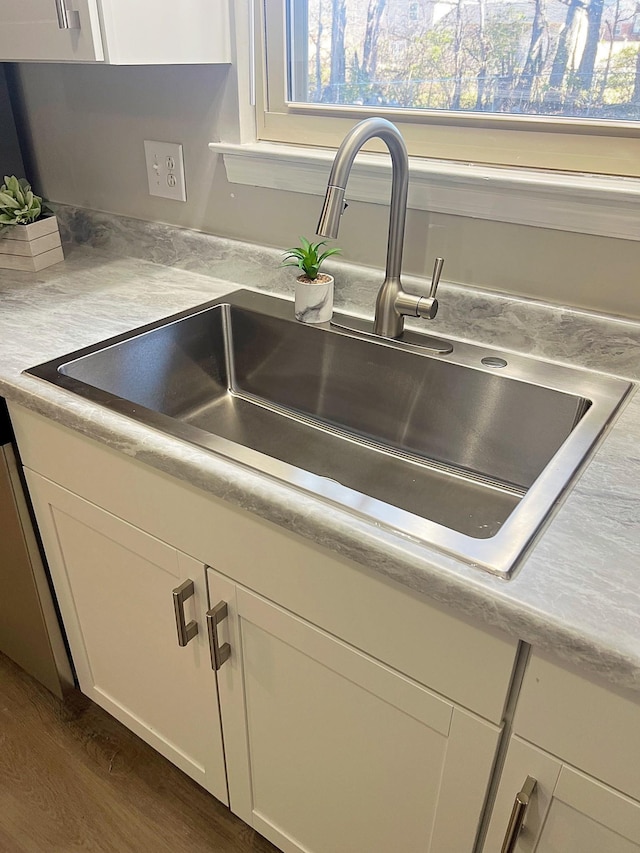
{"x":18,"y":204}
{"x":308,"y":257}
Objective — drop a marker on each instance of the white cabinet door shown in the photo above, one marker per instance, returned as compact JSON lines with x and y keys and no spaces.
{"x":115,"y":585}
{"x":328,"y":749}
{"x":118,"y":32}
{"x":29,"y":30}
{"x":569,"y":812}
{"x":138,"y":32}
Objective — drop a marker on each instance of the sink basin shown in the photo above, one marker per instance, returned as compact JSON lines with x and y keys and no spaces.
{"x":467,"y":450}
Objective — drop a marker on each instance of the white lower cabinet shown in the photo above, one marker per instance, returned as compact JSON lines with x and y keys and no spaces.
{"x":580,"y":741}
{"x":569,"y":812}
{"x":332,"y":709}
{"x":114,"y":585}
{"x":328,"y":749}
{"x":324,"y":722}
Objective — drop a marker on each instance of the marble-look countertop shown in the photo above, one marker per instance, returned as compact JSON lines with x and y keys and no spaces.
{"x":577,"y":594}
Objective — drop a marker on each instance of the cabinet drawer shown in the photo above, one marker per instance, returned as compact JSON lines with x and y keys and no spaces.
{"x":450,"y":654}
{"x":589,"y":725}
{"x":568,"y":811}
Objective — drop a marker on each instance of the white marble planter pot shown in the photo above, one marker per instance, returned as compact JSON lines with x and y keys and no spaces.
{"x":314,"y":298}
{"x":31,"y":247}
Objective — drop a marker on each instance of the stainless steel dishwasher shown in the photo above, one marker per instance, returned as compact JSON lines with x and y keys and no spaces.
{"x":30,"y":632}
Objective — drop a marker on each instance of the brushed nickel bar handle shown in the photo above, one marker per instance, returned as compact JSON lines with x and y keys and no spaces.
{"x":219,"y":654}
{"x":427,"y":306}
{"x":518,"y":814}
{"x":186,"y":631}
{"x":435,"y":278}
{"x":67,"y":19}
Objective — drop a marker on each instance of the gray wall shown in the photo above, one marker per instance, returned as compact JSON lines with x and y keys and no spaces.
{"x":87,"y":125}
{"x":10,"y":156}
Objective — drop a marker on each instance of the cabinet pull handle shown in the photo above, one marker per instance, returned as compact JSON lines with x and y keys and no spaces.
{"x":518,"y":814}
{"x":185,"y":631}
{"x":67,"y":19}
{"x":219,"y":654}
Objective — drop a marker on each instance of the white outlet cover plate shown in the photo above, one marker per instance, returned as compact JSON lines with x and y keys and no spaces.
{"x":165,"y":170}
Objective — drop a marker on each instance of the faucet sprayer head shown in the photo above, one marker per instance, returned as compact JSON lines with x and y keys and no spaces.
{"x":332,"y":210}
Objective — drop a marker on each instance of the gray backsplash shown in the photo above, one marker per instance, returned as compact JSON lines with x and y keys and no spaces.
{"x":554,"y":332}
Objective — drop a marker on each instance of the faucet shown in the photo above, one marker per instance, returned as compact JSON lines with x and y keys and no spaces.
{"x":393,"y":303}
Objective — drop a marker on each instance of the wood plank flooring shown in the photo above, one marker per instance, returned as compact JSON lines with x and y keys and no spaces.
{"x":72,"y":779}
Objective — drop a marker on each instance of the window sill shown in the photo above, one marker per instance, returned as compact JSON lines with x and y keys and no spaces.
{"x":587,"y":204}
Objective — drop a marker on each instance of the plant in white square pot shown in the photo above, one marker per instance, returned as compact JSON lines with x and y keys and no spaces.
{"x":313,"y":290}
{"x":29,"y":234}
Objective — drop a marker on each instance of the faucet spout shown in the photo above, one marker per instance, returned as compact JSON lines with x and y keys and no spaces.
{"x":392,"y":303}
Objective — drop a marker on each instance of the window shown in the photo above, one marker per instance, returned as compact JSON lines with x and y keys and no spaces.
{"x":540,"y":83}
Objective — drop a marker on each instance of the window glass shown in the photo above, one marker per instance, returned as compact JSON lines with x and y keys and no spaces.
{"x":553,"y":58}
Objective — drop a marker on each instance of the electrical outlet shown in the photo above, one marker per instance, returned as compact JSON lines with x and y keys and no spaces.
{"x":165,"y":170}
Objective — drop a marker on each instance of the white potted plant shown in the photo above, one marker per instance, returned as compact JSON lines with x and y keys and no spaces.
{"x":314,"y":289}
{"x":29,"y":234}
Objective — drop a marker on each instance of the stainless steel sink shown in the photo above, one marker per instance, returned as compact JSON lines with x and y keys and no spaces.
{"x":467,"y":450}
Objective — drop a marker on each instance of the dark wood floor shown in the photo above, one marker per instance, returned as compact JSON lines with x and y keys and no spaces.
{"x":73,"y":779}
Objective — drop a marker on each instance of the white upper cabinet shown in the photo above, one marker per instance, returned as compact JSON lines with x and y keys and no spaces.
{"x":117,"y":32}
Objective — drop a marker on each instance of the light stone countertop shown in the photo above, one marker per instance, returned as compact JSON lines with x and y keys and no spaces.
{"x":578,"y":592}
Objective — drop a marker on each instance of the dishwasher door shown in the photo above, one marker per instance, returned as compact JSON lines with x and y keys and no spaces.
{"x":30,"y":632}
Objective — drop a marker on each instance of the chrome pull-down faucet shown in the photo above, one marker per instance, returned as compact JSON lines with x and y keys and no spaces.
{"x":393,"y":303}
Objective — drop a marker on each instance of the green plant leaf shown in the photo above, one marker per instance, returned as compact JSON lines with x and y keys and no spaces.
{"x":7,"y":200}
{"x":18,"y":200}
{"x":307,"y":258}
{"x":12,"y":183}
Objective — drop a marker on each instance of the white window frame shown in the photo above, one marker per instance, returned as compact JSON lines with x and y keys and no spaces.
{"x":260,"y":148}
{"x":559,"y":144}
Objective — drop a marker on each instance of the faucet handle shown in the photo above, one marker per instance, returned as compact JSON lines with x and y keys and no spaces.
{"x":435,"y":278}
{"x":428,"y":305}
